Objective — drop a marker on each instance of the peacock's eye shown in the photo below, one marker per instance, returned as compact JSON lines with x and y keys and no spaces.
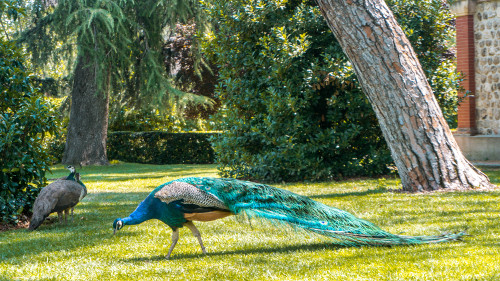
{"x":119,"y":225}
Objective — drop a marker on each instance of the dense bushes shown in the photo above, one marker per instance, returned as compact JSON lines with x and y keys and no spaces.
{"x":160,"y":147}
{"x":25,"y":120}
{"x":293,"y":109}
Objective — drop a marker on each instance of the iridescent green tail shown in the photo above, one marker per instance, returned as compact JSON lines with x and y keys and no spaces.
{"x":282,"y":206}
{"x":343,"y":227}
{"x":388,"y":239}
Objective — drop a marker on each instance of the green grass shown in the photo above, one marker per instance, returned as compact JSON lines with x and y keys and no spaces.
{"x":86,"y":249}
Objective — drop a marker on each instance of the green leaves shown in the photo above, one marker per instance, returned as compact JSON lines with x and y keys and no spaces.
{"x":161,"y":147}
{"x":11,"y":8}
{"x":292,"y":109}
{"x":89,"y":18}
{"x":125,"y":40}
{"x":25,"y":120}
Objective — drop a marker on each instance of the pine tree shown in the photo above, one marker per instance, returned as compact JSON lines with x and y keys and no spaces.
{"x":112,"y":48}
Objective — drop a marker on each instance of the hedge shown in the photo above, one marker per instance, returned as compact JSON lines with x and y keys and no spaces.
{"x":161,"y":147}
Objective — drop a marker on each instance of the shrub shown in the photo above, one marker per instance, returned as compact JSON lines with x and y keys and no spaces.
{"x":25,"y":120}
{"x":160,"y":147}
{"x":293,"y":108}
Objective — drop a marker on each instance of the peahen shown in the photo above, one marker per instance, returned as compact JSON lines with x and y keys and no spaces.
{"x":60,"y":196}
{"x":72,"y":173}
{"x":179,"y":202}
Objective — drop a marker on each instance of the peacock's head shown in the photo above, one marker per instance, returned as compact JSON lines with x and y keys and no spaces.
{"x":117,"y":225}
{"x":71,"y":169}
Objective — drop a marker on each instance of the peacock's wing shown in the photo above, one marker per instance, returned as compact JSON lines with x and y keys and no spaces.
{"x":193,"y":202}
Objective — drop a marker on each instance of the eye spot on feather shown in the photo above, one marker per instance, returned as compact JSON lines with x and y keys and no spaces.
{"x":323,"y":222}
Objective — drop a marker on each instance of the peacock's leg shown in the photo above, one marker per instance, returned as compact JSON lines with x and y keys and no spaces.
{"x":59,"y":216}
{"x":72,"y":210}
{"x":175,"y":238}
{"x":196,"y":234}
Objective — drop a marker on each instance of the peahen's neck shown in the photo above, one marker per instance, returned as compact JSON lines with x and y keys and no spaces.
{"x":71,"y":177}
{"x":81,"y":183}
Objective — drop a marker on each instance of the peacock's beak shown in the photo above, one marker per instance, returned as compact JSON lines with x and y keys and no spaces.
{"x":117,"y":226}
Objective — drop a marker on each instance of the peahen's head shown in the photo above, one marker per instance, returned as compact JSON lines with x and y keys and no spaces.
{"x":71,"y":169}
{"x":117,"y":225}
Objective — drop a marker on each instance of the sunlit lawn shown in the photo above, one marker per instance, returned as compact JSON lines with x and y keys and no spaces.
{"x":86,"y":249}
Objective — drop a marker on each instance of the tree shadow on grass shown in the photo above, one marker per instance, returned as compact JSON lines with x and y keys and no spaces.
{"x":348,"y":194}
{"x":290,"y":249}
{"x":130,"y":171}
{"x":260,"y":250}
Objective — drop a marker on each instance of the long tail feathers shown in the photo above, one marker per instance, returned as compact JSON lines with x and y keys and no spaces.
{"x":365,"y":233}
{"x":281,"y":206}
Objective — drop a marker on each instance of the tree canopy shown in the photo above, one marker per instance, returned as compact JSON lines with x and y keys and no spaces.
{"x":124,"y":38}
{"x":113,"y":51}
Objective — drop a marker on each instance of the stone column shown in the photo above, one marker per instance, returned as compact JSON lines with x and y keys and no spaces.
{"x":487,"y":70}
{"x":464,"y":11}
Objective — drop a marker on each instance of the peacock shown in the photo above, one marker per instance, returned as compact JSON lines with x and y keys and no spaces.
{"x":180,"y":202}
{"x":60,"y":196}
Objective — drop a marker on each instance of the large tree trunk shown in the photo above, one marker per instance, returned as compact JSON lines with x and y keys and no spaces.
{"x":422,"y":146}
{"x":88,"y":121}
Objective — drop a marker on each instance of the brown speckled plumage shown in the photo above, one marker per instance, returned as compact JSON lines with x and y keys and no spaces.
{"x":59,"y":196}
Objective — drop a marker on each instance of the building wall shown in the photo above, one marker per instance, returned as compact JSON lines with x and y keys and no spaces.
{"x":487,"y":64}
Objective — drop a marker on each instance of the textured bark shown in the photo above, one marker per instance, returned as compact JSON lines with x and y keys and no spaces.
{"x":88,"y":122}
{"x":422,"y":145}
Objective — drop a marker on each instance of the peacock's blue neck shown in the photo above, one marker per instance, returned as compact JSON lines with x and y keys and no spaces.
{"x":134,"y":219}
{"x":142,"y":213}
{"x":153,"y":208}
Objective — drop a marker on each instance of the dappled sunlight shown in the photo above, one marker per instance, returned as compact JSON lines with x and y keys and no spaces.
{"x":259,"y":250}
{"x":128,"y":171}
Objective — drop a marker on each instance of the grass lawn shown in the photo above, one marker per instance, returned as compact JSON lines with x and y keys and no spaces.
{"x":86,"y":249}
